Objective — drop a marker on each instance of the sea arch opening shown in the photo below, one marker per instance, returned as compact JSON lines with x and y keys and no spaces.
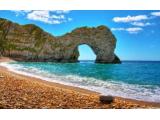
{"x":86,"y":52}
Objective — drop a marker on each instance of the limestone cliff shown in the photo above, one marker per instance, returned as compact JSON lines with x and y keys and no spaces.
{"x":31,"y":43}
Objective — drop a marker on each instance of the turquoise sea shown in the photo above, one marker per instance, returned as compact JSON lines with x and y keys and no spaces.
{"x":132,"y":79}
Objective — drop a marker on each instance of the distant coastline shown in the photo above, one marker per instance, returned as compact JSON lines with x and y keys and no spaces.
{"x":141,"y":60}
{"x":126,"y":60}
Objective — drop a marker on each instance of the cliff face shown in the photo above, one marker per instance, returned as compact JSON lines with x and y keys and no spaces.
{"x":31,"y":43}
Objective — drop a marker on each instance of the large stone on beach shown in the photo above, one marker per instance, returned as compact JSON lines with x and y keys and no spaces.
{"x":106,"y":99}
{"x":31,"y":43}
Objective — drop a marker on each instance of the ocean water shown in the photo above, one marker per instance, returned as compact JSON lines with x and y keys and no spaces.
{"x":132,"y":79}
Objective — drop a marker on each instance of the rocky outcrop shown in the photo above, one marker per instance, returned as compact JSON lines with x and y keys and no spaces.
{"x":31,"y":43}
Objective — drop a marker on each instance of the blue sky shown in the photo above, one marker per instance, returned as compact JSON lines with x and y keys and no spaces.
{"x":137,"y":32}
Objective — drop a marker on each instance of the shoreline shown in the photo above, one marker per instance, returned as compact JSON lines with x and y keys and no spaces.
{"x":118,"y":103}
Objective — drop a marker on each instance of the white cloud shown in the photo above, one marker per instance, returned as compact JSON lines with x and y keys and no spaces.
{"x":46,"y":16}
{"x":134,"y":30}
{"x":155,"y":13}
{"x":130,"y":30}
{"x":42,"y":16}
{"x":57,"y":16}
{"x":130,"y":18}
{"x":61,"y":11}
{"x":21,"y":12}
{"x":141,"y":24}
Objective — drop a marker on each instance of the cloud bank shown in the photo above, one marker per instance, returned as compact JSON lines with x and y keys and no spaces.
{"x":138,"y":21}
{"x":46,"y":16}
{"x":130,"y":18}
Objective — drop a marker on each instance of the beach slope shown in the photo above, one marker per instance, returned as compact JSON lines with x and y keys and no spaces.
{"x":19,"y":91}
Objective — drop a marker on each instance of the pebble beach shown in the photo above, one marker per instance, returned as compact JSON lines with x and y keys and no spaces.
{"x":24,"y":92}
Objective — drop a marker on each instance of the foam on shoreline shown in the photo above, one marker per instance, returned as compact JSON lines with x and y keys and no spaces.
{"x":107,"y":88}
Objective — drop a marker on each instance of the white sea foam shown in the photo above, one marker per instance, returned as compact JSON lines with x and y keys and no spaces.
{"x":110,"y":87}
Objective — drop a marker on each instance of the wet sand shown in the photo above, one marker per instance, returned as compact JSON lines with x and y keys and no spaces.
{"x":20,"y":91}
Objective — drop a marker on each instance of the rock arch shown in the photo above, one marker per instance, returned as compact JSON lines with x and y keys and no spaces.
{"x":100,"y":39}
{"x":31,"y":43}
